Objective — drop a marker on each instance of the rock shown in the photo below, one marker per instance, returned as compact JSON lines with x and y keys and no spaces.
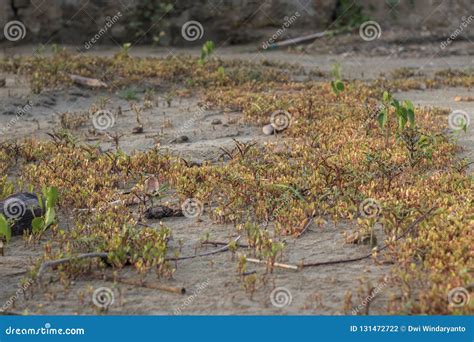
{"x":268,"y":129}
{"x":162,"y":211}
{"x":181,"y":139}
{"x":137,"y":130}
{"x":21,"y":209}
{"x":216,"y":122}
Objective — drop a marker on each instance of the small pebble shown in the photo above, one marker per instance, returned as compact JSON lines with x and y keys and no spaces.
{"x":181,"y":139}
{"x":268,"y":129}
{"x":216,"y":122}
{"x":137,"y":130}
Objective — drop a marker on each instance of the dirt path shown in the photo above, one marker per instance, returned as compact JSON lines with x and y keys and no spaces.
{"x":212,"y":282}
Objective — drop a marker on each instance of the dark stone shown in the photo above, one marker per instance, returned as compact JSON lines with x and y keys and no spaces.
{"x":162,"y":211}
{"x":21,"y":209}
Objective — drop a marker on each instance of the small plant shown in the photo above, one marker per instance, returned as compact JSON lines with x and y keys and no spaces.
{"x":129,"y":94}
{"x":337,"y":85}
{"x":404,"y":111}
{"x":206,"y":51}
{"x":5,"y":229}
{"x":40,"y":224}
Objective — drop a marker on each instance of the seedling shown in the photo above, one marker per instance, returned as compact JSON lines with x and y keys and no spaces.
{"x":206,"y":51}
{"x":336,"y":84}
{"x":40,"y":224}
{"x":5,"y":229}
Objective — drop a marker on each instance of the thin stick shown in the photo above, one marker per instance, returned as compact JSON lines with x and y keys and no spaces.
{"x":220,"y":243}
{"x":306,"y":38}
{"x":54,"y":263}
{"x":103,"y":255}
{"x":219,"y":250}
{"x":276,"y":264}
{"x":306,"y":226}
{"x":172,"y":289}
{"x":340,"y":261}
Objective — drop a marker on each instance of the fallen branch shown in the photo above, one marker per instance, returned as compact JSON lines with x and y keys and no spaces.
{"x":220,"y":243}
{"x":219,"y":250}
{"x":276,"y":264}
{"x":54,"y":263}
{"x":104,"y":255}
{"x":88,"y":82}
{"x":302,"y":39}
{"x":340,"y":261}
{"x":172,"y":289}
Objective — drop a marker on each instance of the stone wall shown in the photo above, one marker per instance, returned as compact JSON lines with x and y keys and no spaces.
{"x":230,"y":21}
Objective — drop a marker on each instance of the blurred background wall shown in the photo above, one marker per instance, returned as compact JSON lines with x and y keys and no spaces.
{"x":224,"y":21}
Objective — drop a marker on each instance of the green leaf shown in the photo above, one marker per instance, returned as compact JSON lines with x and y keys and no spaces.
{"x":386,"y":96}
{"x":382,"y":118}
{"x":37,"y":224}
{"x":339,"y":85}
{"x":411,"y":117}
{"x":5,"y":229}
{"x":49,"y":217}
{"x":396,"y":104}
{"x":52,"y":196}
{"x":409,"y":105}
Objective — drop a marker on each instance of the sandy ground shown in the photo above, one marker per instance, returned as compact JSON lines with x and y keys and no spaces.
{"x":212,"y":283}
